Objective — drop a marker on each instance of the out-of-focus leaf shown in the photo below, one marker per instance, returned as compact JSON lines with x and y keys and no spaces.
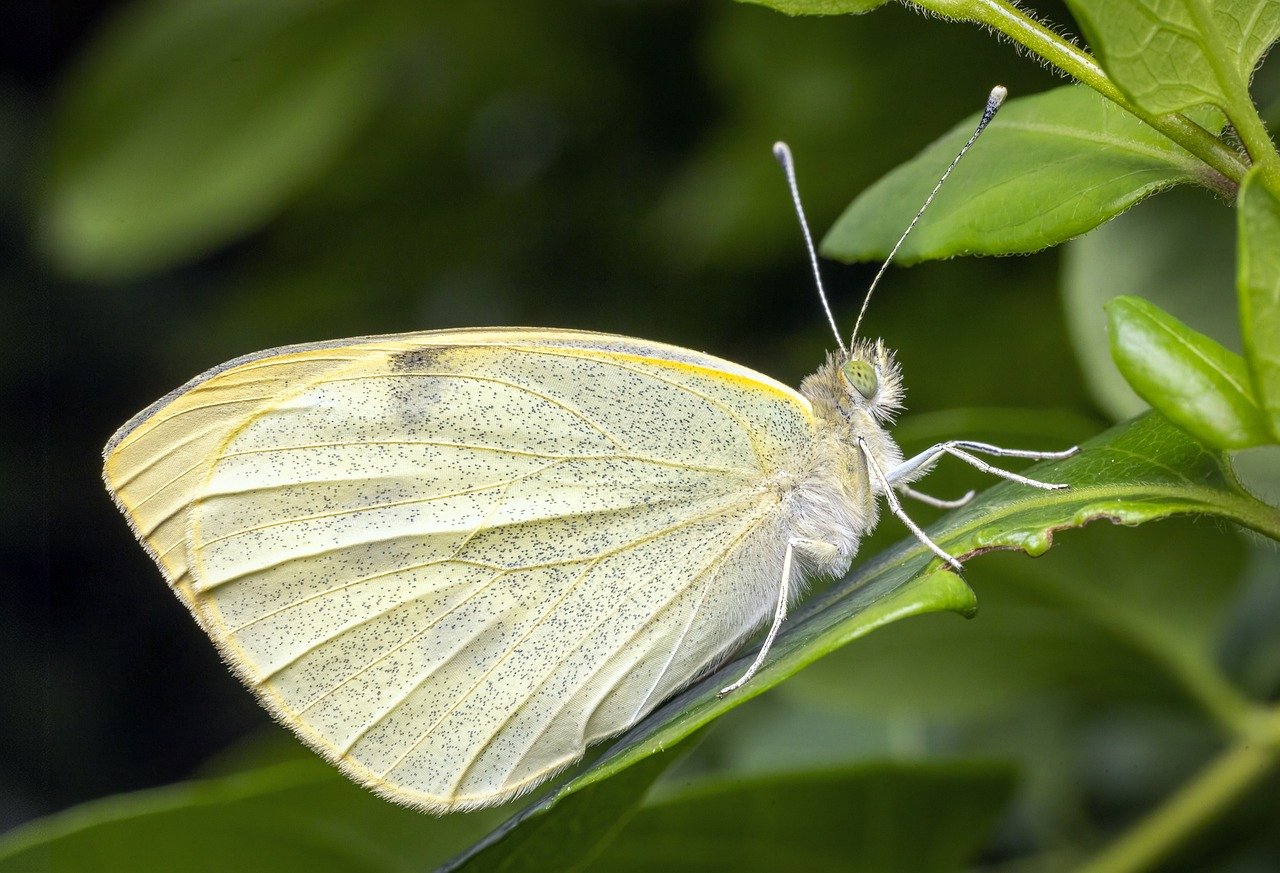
{"x":1259,"y":287}
{"x":193,"y":121}
{"x":1177,"y":251}
{"x":1170,"y":55}
{"x":823,"y":92}
{"x":1136,"y":472}
{"x":1191,"y":379}
{"x":819,"y":7}
{"x":1090,"y":621}
{"x":295,"y":816}
{"x":1050,"y":167}
{"x":867,"y":818}
{"x":902,"y":594}
{"x":580,"y":828}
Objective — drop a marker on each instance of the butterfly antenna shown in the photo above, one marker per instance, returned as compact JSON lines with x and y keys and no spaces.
{"x":994,"y":100}
{"x":782,"y":152}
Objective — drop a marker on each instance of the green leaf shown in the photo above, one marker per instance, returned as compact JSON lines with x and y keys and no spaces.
{"x":1258,"y":279}
{"x":819,"y":7}
{"x":1050,"y":167}
{"x":295,"y":816}
{"x":1177,"y":251}
{"x":1136,"y":472}
{"x":1170,"y":55}
{"x":190,"y":123}
{"x":866,"y":818}
{"x":1111,"y":616}
{"x":580,"y":828}
{"x":1252,"y":30}
{"x":882,"y":601}
{"x":1194,"y":381}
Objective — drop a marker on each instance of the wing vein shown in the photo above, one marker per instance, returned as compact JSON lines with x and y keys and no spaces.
{"x":295,"y":657}
{"x":710,"y":401}
{"x":479,"y":447}
{"x":347,"y":628}
{"x":549,"y":674}
{"x":389,"y":504}
{"x":577,"y":413}
{"x":210,"y":585}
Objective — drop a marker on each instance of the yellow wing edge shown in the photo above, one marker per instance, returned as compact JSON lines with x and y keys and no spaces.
{"x":585,"y":340}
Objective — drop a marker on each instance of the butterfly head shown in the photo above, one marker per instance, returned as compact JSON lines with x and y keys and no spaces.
{"x":872,"y":379}
{"x":865,"y":379}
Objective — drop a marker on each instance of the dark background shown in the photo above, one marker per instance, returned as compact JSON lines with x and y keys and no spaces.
{"x":584,"y":164}
{"x":595,"y":165}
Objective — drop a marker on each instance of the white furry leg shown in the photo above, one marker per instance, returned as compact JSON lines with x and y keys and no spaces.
{"x":779,"y":616}
{"x":886,"y":488}
{"x":961,"y":449}
{"x":907,"y":491}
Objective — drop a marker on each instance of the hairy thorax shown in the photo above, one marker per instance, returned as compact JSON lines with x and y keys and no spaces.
{"x":829,"y":496}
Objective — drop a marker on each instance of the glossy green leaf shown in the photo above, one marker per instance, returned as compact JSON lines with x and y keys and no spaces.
{"x":819,"y":7}
{"x":1191,"y":379}
{"x":1258,"y":280}
{"x":297,"y":816}
{"x":862,"y":611}
{"x":1170,"y":55}
{"x":1050,"y":167}
{"x":1178,"y":251}
{"x":580,"y":828}
{"x":1110,"y":616}
{"x":868,"y":818}
{"x":193,"y":121}
{"x":1136,"y":472}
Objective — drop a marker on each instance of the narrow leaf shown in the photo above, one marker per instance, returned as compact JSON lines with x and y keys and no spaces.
{"x":1050,"y":167}
{"x":1113,"y":617}
{"x":1139,"y":471}
{"x":295,"y":816}
{"x":582,"y":826}
{"x":1190,"y":378}
{"x":894,"y":597}
{"x":1258,"y":280}
{"x":1171,"y":55}
{"x":190,"y":122}
{"x":866,"y":818}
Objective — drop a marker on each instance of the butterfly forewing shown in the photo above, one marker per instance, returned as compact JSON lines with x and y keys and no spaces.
{"x":451,"y":560}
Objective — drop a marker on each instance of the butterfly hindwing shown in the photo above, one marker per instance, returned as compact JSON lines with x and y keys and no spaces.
{"x":450,"y":560}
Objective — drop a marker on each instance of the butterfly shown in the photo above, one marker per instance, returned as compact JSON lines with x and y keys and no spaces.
{"x":451,"y":560}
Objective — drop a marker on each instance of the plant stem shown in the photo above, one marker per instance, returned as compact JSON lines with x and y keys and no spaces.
{"x":1253,"y":133}
{"x":1239,"y":105}
{"x":1003,"y":16}
{"x":1194,"y":806}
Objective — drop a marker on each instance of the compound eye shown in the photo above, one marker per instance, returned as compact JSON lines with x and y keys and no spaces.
{"x":862,"y":376}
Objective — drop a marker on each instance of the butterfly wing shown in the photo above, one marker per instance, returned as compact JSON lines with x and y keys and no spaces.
{"x":450,"y":560}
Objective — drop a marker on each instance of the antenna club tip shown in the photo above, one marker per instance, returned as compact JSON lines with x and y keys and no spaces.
{"x":782,"y":152}
{"x":998,"y":93}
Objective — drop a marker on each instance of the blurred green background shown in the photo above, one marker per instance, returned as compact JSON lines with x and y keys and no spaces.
{"x":185,"y":181}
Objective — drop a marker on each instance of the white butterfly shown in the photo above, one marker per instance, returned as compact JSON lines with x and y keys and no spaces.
{"x":451,"y":560}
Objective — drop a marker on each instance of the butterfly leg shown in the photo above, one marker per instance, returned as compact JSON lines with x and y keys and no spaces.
{"x":886,"y":488}
{"x":907,"y":491}
{"x":779,"y":616}
{"x":913,"y":467}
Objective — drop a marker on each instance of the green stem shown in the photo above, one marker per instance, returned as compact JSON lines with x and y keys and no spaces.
{"x":1197,"y":804}
{"x":1071,"y":59}
{"x":1240,"y":109}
